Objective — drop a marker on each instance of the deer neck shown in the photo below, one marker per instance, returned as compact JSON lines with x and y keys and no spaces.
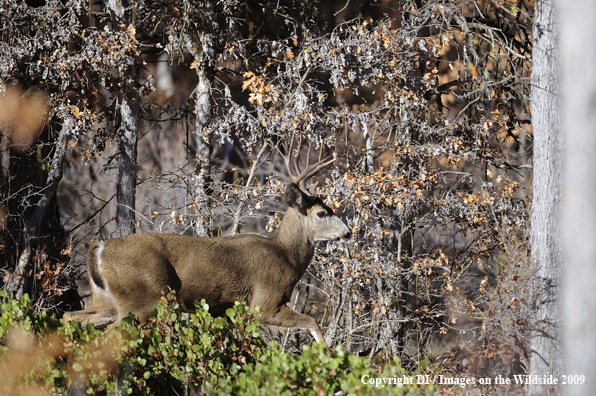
{"x":293,"y":236}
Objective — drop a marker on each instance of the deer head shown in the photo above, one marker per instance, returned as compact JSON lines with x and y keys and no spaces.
{"x":319,"y":219}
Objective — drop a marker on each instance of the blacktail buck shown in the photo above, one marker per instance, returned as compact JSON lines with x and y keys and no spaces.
{"x":129,"y":274}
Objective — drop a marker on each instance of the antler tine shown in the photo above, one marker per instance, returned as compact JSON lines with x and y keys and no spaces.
{"x":311,"y":170}
{"x":296,"y":158}
{"x":287,"y":161}
{"x":291,"y":161}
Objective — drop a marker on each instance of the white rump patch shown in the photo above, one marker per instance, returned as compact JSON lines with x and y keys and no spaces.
{"x":98,"y":259}
{"x":98,"y":254}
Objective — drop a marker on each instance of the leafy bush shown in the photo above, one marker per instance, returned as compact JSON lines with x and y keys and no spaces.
{"x":172,"y":354}
{"x":315,"y":372}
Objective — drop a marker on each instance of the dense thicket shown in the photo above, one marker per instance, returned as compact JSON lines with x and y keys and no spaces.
{"x":424,"y":105}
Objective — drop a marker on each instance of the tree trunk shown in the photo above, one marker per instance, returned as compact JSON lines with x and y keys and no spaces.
{"x":578,"y":54}
{"x":545,"y":349}
{"x":17,"y":283}
{"x":127,"y":170}
{"x":204,"y":151}
{"x":369,"y":164}
{"x":202,"y":51}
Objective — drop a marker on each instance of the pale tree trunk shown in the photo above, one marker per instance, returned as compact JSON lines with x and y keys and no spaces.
{"x":202,"y":51}
{"x":545,"y":348}
{"x":129,"y":130}
{"x":204,"y":150}
{"x":578,"y":54}
{"x":369,"y":164}
{"x":127,"y":169}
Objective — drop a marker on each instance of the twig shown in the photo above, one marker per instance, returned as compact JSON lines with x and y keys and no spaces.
{"x":243,"y":199}
{"x":348,"y":2}
{"x":92,"y":215}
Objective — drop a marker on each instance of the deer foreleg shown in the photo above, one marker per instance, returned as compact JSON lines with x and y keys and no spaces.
{"x":285,"y":317}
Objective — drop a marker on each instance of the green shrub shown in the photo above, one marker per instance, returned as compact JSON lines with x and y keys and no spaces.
{"x":172,"y":354}
{"x":314,"y":372}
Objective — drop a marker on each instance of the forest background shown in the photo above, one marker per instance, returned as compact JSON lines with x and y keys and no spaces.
{"x":171,"y":116}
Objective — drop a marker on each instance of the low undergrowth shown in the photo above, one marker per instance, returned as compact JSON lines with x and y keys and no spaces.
{"x":175,"y":354}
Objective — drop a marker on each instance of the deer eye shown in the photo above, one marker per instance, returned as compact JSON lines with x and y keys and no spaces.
{"x":322,"y":214}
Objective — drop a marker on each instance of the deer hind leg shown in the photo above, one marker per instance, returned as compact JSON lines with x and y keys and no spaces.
{"x":101,"y":313}
{"x":141,"y":311}
{"x":141,"y":299}
{"x":97,"y":318}
{"x":285,"y":317}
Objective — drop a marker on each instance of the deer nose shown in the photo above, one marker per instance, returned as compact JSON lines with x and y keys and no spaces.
{"x":348,"y":235}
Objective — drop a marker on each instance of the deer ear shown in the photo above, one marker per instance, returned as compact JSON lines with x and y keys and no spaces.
{"x":295,"y":198}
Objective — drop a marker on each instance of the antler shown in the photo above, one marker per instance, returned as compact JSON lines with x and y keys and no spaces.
{"x":291,"y":161}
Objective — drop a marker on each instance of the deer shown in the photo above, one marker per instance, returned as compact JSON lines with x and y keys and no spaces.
{"x":130,"y":274}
